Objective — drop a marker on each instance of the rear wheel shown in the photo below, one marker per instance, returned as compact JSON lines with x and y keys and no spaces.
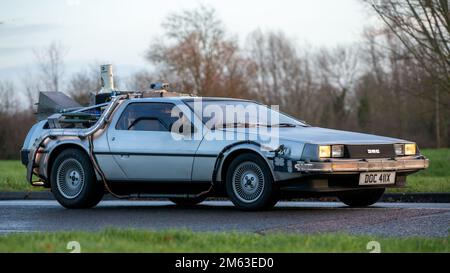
{"x":73,"y":180}
{"x":361,"y":198}
{"x":249,"y":183}
{"x":187,"y":202}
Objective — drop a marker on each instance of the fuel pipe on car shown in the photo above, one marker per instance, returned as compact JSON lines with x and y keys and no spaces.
{"x":82,"y":134}
{"x":100,"y":172}
{"x":88,"y":134}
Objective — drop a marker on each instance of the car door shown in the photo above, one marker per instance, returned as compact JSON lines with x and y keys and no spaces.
{"x":142,"y":144}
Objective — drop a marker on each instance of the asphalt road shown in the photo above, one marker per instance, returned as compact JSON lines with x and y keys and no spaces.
{"x":386,"y":219}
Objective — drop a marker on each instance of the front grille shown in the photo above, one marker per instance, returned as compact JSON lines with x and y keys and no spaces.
{"x":362,"y":151}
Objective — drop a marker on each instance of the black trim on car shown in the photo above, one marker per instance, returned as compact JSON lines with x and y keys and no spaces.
{"x":155,"y":187}
{"x":24,"y":156}
{"x":362,"y":151}
{"x":24,"y":153}
{"x":154,"y":154}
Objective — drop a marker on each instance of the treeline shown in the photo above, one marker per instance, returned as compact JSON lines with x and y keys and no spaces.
{"x":387,"y":84}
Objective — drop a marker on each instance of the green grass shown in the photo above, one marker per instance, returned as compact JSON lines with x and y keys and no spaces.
{"x":435,"y":179}
{"x":126,"y":240}
{"x":13,"y":176}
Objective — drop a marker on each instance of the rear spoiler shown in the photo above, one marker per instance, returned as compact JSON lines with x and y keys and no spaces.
{"x":54,"y":102}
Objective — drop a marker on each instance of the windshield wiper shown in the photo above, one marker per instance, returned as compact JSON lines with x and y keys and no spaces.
{"x":248,"y":125}
{"x":288,"y":125}
{"x":233,"y":125}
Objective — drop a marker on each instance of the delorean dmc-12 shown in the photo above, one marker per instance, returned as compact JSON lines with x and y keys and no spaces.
{"x":157,"y":144}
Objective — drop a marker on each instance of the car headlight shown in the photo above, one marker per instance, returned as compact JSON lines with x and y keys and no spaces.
{"x":324,"y":151}
{"x":328,"y":151}
{"x":405,"y":149}
{"x":399,"y":149}
{"x":410,"y":149}
{"x":337,"y":151}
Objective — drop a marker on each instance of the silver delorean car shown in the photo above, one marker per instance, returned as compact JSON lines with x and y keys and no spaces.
{"x":125,"y":145}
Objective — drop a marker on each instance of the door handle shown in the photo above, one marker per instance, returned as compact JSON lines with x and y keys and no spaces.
{"x":124,"y":156}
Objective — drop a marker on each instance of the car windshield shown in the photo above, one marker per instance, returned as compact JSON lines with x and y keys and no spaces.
{"x":217,"y":114}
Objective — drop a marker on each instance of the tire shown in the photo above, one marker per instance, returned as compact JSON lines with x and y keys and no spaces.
{"x":73,"y":181}
{"x":249,"y":183}
{"x":187,"y":202}
{"x":361,"y":198}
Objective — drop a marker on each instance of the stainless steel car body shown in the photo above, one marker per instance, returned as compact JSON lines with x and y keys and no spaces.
{"x":139,"y":156}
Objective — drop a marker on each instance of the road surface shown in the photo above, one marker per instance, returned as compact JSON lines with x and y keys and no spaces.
{"x":386,"y":219}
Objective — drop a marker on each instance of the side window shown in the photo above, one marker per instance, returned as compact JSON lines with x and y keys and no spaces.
{"x":147,"y":117}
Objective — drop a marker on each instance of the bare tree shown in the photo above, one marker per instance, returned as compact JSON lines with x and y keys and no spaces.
{"x":51,"y":65}
{"x":80,"y":87}
{"x":338,"y":66}
{"x":11,"y":121}
{"x":337,"y":70}
{"x":30,"y":88}
{"x":281,"y":75}
{"x":140,"y":81}
{"x":8,"y":103}
{"x":395,"y":93}
{"x":82,"y":84}
{"x":198,"y":53}
{"x":423,"y":26}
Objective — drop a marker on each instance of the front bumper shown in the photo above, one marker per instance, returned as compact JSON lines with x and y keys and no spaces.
{"x":346,"y":166}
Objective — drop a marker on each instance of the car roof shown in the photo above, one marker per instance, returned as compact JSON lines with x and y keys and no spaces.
{"x":185,"y":99}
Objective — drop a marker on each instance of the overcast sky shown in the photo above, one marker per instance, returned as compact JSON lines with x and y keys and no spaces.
{"x":119,"y":31}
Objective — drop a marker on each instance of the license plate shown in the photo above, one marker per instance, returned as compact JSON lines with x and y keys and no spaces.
{"x":383,"y":178}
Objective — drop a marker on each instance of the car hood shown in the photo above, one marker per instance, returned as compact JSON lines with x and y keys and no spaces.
{"x":318,"y":135}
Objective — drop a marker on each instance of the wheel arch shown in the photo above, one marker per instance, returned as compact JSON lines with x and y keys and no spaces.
{"x":57,"y":150}
{"x":235,"y":153}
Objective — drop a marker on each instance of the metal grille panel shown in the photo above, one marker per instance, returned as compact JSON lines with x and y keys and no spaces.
{"x":370,"y":151}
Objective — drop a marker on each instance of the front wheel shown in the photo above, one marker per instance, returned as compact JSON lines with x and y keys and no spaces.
{"x":361,"y":198}
{"x":249,"y":183}
{"x":73,"y":180}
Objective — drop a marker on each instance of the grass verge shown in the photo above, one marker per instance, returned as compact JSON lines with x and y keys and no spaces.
{"x":126,"y":240}
{"x":13,"y":176}
{"x":435,"y":179}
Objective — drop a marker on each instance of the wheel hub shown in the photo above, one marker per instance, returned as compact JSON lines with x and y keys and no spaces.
{"x":248,"y":182}
{"x":70,"y":178}
{"x":73,"y":178}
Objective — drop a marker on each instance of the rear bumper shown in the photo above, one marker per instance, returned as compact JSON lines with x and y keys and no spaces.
{"x":348,"y":166}
{"x":24,"y":156}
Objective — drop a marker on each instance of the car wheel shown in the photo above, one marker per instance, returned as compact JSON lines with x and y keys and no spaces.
{"x":73,"y":180}
{"x":187,"y":202}
{"x":249,"y":183}
{"x":361,"y":198}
